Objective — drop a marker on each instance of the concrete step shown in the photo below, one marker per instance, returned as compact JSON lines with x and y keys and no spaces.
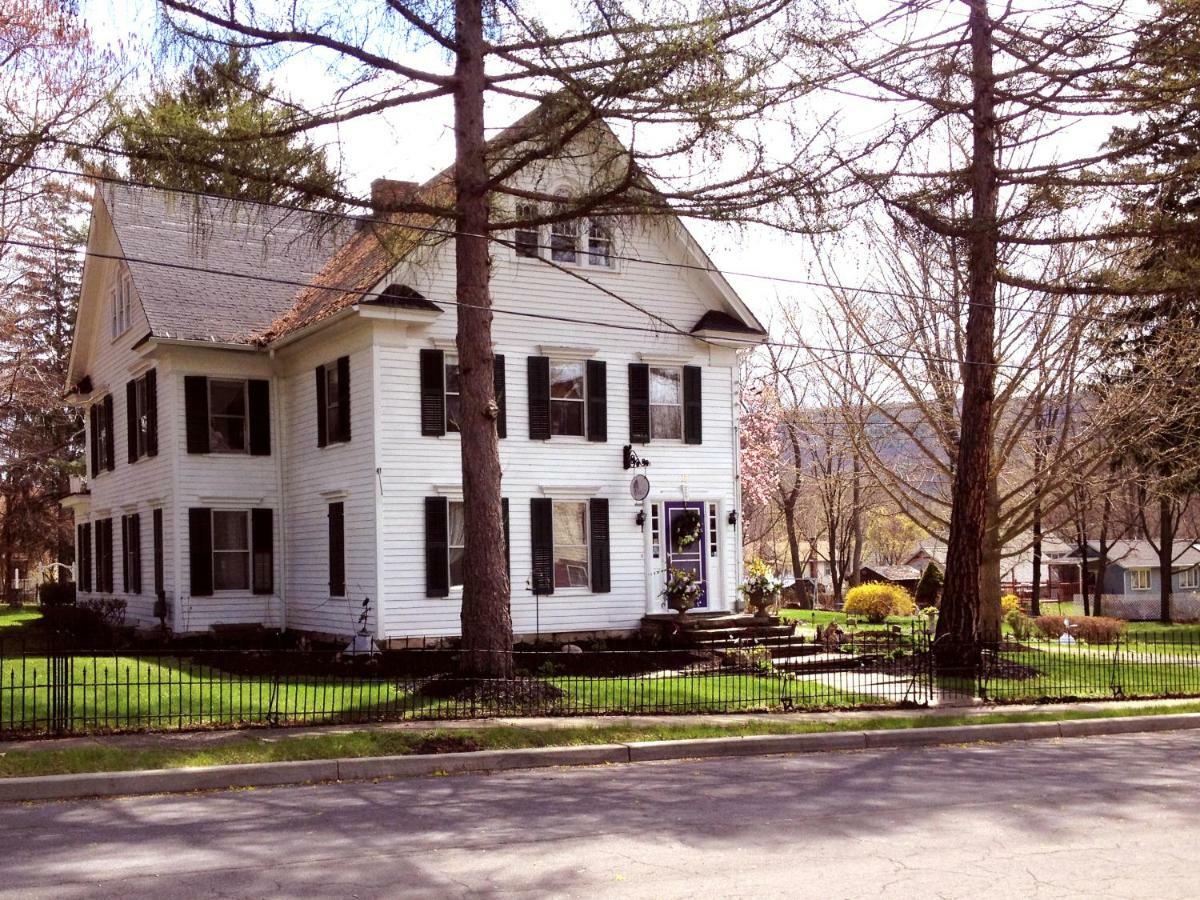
{"x":777,"y":646}
{"x":708,"y":621}
{"x":821,"y":662}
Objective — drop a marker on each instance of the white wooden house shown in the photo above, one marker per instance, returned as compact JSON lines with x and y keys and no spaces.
{"x":271,"y":400}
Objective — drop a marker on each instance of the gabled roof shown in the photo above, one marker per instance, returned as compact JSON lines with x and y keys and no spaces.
{"x":719,"y":320}
{"x":895,"y":573}
{"x":209,"y":269}
{"x":1140,"y":554}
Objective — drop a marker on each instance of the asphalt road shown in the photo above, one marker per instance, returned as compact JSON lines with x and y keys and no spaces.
{"x":1096,"y":817}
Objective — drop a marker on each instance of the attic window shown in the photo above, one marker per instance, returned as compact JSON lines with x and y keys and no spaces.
{"x":120,"y":303}
{"x":526,"y":240}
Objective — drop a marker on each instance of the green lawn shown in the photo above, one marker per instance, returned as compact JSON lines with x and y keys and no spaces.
{"x":822,"y":617}
{"x":20,"y":617}
{"x":1127,"y":670}
{"x":273,"y":747}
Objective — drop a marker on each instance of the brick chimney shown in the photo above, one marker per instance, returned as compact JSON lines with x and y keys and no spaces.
{"x":387,"y":194}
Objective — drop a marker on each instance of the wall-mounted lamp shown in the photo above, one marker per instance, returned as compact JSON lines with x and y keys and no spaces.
{"x":733,"y":517}
{"x":640,"y":518}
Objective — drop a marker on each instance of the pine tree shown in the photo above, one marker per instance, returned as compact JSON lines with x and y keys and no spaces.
{"x":214,"y":131}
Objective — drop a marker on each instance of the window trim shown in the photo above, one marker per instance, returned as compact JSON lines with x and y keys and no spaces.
{"x":1136,"y":585}
{"x":1189,"y":579}
{"x":586,"y":546}
{"x":608,"y":261}
{"x":582,"y":401}
{"x":652,"y":368}
{"x":248,"y":552}
{"x":245,"y":383}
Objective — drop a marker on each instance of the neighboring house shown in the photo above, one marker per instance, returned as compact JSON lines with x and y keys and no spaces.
{"x":1133,"y":567}
{"x":906,"y":576}
{"x":271,"y":420}
{"x":1016,"y":565}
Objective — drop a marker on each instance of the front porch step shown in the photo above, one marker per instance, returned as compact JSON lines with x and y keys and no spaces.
{"x":707,"y":621}
{"x":821,"y":662}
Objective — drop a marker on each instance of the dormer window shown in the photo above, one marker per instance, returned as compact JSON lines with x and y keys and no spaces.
{"x":120,"y":304}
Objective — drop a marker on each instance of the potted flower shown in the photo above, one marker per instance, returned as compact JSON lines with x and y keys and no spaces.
{"x":681,"y":590}
{"x":761,"y":588}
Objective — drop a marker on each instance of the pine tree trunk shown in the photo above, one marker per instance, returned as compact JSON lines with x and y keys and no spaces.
{"x":990,"y":588}
{"x":958,"y":627}
{"x":487,"y":635}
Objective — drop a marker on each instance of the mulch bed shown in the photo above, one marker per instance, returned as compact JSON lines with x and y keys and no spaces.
{"x":517,"y":692}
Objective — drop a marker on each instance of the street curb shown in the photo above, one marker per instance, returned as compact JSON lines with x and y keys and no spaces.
{"x":162,"y":781}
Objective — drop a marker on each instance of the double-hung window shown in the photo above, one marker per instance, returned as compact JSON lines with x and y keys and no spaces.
{"x":600,"y":243}
{"x":1189,"y":579}
{"x":571,"y":544}
{"x":227,"y":415}
{"x":456,"y":541}
{"x":564,"y":241}
{"x":1139,"y":579}
{"x":527,"y":239}
{"x":333,"y":406}
{"x":120,"y":298}
{"x":231,"y":550}
{"x":568,"y":398}
{"x":666,"y":402}
{"x":453,"y":394}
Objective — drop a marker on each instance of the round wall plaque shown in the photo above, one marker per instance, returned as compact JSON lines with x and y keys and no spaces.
{"x":639,"y":487}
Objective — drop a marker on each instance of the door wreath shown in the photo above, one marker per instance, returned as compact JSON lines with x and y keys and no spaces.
{"x":685,"y":528}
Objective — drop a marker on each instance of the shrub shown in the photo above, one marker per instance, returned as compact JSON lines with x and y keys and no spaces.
{"x":1093,"y":629}
{"x":1008,"y":603}
{"x":91,"y":619}
{"x":56,"y":593}
{"x":878,"y":600}
{"x":1021,"y":625}
{"x":752,"y":659}
{"x":109,"y":611}
{"x":929,"y":588}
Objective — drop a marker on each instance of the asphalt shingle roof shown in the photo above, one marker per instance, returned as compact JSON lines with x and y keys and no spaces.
{"x":211,"y":269}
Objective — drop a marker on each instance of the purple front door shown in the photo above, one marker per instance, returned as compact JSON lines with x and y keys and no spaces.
{"x":685,"y":540}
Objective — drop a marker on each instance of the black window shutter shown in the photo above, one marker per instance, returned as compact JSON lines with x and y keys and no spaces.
{"x":541,"y":536}
{"x":89,"y":568}
{"x":692,"y":418}
{"x":94,"y":415}
{"x":343,"y":370}
{"x":134,"y":532}
{"x":498,"y":379}
{"x":125,"y":544}
{"x":433,"y":394}
{"x":157,"y":525}
{"x":195,"y":401}
{"x":82,"y":575}
{"x":507,"y":536}
{"x":110,"y":439}
{"x":200,"y":551}
{"x":99,"y":556}
{"x":597,"y":400}
{"x":337,"y":549}
{"x":539,"y":398}
{"x":258,"y":391}
{"x":262,"y":546}
{"x":131,"y":419}
{"x":152,"y":413}
{"x":437,"y":549}
{"x":639,"y":403}
{"x":322,"y":409}
{"x":598,"y":536}
{"x":108,"y":552}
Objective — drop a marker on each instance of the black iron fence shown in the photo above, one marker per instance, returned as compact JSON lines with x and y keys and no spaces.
{"x":1163,"y":662}
{"x":61,"y":690}
{"x":129,"y":689}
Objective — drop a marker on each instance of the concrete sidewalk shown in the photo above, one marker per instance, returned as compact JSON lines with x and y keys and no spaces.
{"x":179,"y":780}
{"x":188,"y":739}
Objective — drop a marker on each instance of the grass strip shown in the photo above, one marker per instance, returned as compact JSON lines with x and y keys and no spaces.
{"x":276,"y":748}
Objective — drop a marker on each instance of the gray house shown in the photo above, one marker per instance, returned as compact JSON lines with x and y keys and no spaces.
{"x":1132,"y":577}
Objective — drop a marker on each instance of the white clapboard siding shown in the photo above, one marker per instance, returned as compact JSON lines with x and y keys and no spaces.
{"x":314,"y":476}
{"x":413,"y":466}
{"x":135,"y":488}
